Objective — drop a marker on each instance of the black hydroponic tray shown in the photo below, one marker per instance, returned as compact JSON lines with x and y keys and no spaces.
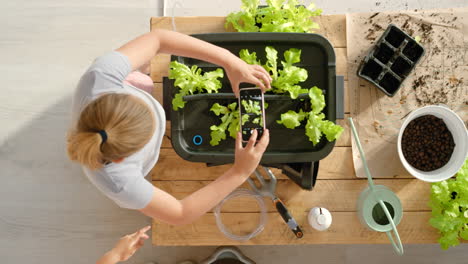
{"x":391,"y":60}
{"x":190,"y":128}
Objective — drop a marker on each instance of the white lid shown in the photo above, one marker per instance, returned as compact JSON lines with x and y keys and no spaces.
{"x":319,"y":218}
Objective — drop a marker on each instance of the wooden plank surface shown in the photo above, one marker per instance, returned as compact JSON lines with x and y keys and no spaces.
{"x":338,"y":165}
{"x":158,"y":92}
{"x":345,"y":229}
{"x":333,"y":27}
{"x":335,"y":195}
{"x":337,"y":187}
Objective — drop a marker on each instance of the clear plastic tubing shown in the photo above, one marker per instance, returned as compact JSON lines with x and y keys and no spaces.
{"x":241,"y":192}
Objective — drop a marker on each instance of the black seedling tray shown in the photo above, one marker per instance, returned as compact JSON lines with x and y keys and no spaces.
{"x":190,"y":129}
{"x":391,"y":60}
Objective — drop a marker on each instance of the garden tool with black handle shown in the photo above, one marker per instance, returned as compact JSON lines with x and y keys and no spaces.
{"x":268,"y":189}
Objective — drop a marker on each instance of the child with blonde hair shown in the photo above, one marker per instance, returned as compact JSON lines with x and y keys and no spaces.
{"x":118,"y":129}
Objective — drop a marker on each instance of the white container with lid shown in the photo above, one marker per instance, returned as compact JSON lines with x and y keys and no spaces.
{"x":319,"y":218}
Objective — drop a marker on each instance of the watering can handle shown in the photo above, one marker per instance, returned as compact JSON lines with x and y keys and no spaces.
{"x":397,"y":246}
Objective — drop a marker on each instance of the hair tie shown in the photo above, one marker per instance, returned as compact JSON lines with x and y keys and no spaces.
{"x":103,"y":135}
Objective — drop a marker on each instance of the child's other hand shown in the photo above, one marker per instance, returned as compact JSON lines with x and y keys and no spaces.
{"x":129,"y":244}
{"x":247,"y":158}
{"x":239,"y":71}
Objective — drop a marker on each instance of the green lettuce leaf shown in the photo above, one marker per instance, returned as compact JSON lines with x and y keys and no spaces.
{"x":331,"y":130}
{"x":192,"y":80}
{"x":286,"y":79}
{"x":316,"y":125}
{"x":210,"y":82}
{"x":271,"y":65}
{"x":287,"y":16}
{"x":219,"y":109}
{"x":277,"y":16}
{"x":449,"y":203}
{"x":292,"y":119}
{"x":178,"y":101}
{"x":291,"y":56}
{"x":250,"y":58}
{"x":316,"y":99}
{"x":230,"y":120}
{"x":448,"y":239}
{"x":312,"y":128}
{"x":464,"y":233}
{"x":218,"y":132}
{"x":233,"y":127}
{"x":251,"y":107}
{"x":244,"y":21}
{"x":290,"y":75}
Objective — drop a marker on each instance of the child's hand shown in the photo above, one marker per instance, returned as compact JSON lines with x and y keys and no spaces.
{"x":239,"y":71}
{"x":129,"y":244}
{"x":248,"y":157}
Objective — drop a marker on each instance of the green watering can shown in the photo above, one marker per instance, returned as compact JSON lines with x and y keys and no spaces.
{"x":379,"y":208}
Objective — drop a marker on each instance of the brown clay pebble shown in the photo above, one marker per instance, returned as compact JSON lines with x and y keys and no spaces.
{"x":427,"y":144}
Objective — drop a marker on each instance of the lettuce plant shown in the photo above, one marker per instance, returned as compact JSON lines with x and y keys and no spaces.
{"x":192,"y":80}
{"x":277,"y":16}
{"x":229,"y":122}
{"x":286,"y":78}
{"x":316,"y":124}
{"x":449,"y":203}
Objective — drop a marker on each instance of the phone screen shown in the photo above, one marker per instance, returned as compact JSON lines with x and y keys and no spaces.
{"x":251,"y":112}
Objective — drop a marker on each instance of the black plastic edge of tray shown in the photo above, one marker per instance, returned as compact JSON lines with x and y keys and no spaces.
{"x":271,"y":37}
{"x":339,"y":97}
{"x":268,"y":158}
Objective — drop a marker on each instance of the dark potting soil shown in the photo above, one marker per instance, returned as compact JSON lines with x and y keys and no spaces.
{"x":427,"y":144}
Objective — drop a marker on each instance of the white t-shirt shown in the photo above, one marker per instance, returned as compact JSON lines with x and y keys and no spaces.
{"x":122,"y":182}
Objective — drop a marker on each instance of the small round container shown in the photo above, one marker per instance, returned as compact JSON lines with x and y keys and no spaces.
{"x":319,"y":218}
{"x":241,"y":192}
{"x":456,"y":126}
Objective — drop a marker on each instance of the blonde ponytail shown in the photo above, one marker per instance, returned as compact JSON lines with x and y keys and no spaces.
{"x":84,"y":147}
{"x":127,"y":121}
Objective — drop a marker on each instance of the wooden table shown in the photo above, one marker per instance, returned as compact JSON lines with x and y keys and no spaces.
{"x":337,"y":187}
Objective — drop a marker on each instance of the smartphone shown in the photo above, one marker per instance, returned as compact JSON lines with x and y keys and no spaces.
{"x":251,"y":112}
